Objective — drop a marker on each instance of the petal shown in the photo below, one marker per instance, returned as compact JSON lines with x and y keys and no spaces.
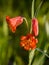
{"x":29,"y":36}
{"x":22,"y":44}
{"x":26,"y":47}
{"x":36,"y":40}
{"x":7,"y":19}
{"x":23,"y":38}
{"x":33,"y":45}
{"x":16,"y":21}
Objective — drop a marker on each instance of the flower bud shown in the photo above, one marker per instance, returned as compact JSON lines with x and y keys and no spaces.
{"x":35,"y":26}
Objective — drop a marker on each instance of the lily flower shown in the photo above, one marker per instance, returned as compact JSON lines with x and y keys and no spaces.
{"x":28,"y":42}
{"x":14,"y":22}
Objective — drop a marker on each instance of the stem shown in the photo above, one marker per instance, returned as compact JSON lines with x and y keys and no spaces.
{"x":31,"y":52}
{"x":43,"y":52}
{"x":38,"y":8}
{"x":31,"y":28}
{"x":31,"y":55}
{"x":26,"y":21}
{"x":32,"y":11}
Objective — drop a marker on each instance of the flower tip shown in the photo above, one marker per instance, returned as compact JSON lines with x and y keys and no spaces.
{"x":7,"y":18}
{"x":13,"y":31}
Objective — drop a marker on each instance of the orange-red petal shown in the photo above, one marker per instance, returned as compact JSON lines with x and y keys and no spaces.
{"x":28,"y":42}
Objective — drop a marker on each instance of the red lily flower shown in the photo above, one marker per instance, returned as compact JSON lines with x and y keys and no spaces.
{"x":14,"y":22}
{"x":35,"y":26}
{"x":28,"y":42}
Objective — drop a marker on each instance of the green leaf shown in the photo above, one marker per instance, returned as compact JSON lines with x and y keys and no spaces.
{"x":39,"y":61}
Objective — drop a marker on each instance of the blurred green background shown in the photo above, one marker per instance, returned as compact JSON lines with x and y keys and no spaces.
{"x":10,"y":51}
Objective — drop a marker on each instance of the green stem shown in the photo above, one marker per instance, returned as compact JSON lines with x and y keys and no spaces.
{"x":32,"y":11}
{"x":31,"y":55}
{"x":31,"y":28}
{"x":26,"y":23}
{"x":31,"y":52}
{"x":43,"y":52}
{"x":38,"y":8}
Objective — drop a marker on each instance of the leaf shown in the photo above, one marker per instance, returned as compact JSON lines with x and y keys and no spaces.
{"x":39,"y":61}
